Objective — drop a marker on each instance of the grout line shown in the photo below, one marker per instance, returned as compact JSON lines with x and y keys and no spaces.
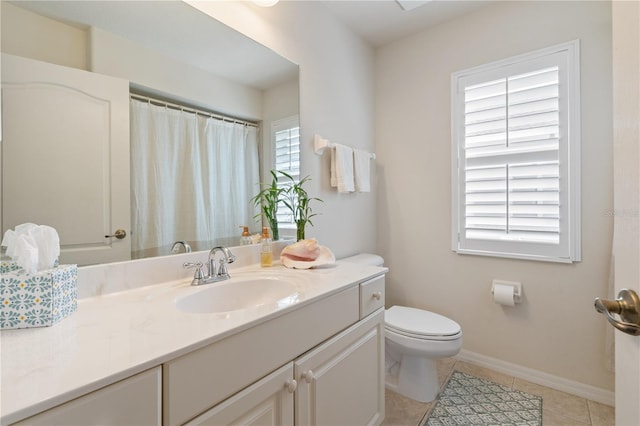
{"x":590,"y":413}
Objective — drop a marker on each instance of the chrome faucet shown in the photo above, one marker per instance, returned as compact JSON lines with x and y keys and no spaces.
{"x":213,"y":274}
{"x":221,"y":271}
{"x":175,"y":248}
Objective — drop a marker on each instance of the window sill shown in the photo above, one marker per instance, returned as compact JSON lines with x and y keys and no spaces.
{"x":516,"y":256}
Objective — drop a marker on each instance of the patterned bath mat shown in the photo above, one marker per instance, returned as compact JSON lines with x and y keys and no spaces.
{"x":470,"y":400}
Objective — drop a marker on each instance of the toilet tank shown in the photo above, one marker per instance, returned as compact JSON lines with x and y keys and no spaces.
{"x":365,"y":259}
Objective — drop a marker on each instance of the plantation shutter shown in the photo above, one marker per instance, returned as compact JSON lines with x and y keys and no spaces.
{"x":511,"y":158}
{"x":512,"y":143}
{"x":287,"y":159}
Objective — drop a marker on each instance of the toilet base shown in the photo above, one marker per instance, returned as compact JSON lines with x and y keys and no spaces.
{"x":416,"y":377}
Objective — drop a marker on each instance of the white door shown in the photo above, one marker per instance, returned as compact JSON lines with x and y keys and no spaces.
{"x":65,"y":157}
{"x":626,"y":69}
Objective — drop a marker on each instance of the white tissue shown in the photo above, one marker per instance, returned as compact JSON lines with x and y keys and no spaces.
{"x":33,"y":247}
{"x":9,"y":241}
{"x":26,"y":253}
{"x":48,"y":243}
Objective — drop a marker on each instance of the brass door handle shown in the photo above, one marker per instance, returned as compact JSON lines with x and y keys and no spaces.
{"x":119,"y":234}
{"x":627,"y":306}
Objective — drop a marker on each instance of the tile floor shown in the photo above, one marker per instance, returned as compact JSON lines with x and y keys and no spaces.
{"x":558,"y":408}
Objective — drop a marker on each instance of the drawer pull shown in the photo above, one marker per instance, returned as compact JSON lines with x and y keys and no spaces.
{"x":377,"y":295}
{"x":291,"y":386}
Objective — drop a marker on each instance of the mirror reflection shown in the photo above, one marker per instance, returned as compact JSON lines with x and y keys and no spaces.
{"x":154,"y":118}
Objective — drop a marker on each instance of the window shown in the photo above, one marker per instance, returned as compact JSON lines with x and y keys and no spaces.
{"x":286,"y":139}
{"x":515,"y":157}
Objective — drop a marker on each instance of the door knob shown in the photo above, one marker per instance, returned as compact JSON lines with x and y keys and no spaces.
{"x":627,"y":306}
{"x":119,"y":234}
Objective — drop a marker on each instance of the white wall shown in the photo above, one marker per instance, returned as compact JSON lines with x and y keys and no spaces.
{"x":32,"y":36}
{"x":336,"y":101}
{"x":116,"y":56}
{"x":555,"y":330}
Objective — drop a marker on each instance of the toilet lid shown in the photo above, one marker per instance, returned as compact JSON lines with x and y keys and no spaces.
{"x":417,"y":322}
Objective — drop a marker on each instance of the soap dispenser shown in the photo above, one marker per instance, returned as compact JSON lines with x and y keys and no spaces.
{"x":266,"y":256}
{"x":245,"y":239}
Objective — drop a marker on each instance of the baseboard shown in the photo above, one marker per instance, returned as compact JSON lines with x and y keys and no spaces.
{"x":545,"y":379}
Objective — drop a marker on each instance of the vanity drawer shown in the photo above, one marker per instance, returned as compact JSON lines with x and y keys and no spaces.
{"x":371,"y":296}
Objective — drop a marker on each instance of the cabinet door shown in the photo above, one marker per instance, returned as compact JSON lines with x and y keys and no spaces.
{"x":341,"y":382}
{"x":267,"y":402}
{"x":133,"y":401}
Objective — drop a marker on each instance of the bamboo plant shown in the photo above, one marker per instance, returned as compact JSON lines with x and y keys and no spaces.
{"x":267,"y":200}
{"x":298,"y":201}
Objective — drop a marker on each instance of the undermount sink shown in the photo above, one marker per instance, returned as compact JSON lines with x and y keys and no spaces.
{"x":242,"y":293}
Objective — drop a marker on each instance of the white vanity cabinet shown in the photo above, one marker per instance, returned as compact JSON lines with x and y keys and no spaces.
{"x":327,"y":360}
{"x":318,"y":363}
{"x":340,"y":382}
{"x":132,"y":401}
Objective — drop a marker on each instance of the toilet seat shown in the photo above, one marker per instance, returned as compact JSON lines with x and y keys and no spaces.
{"x":420,"y":324}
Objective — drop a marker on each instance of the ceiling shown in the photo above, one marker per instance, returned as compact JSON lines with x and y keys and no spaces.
{"x":177,"y":30}
{"x":168,"y":27}
{"x":380,"y":22}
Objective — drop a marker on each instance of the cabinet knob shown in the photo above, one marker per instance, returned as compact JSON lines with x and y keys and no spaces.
{"x":291,"y":386}
{"x":308,"y":376}
{"x":377,"y":295}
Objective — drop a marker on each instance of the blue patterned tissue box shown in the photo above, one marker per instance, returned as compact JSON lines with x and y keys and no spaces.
{"x":36,"y":300}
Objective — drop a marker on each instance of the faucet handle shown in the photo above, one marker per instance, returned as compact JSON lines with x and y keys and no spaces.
{"x":222,"y":268}
{"x":198,"y":275}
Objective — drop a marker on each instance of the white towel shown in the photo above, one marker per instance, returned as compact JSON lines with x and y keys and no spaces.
{"x":361,"y":160}
{"x":342,"y":168}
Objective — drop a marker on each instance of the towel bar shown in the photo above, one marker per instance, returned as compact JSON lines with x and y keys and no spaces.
{"x":319,"y":145}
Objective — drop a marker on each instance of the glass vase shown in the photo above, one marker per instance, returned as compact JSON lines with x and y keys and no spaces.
{"x":300,"y":231}
{"x":275,"y":233}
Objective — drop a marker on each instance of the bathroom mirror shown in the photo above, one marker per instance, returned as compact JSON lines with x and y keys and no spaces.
{"x":191,"y":40}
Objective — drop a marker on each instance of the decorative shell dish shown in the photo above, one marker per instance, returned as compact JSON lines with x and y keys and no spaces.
{"x":326,"y":257}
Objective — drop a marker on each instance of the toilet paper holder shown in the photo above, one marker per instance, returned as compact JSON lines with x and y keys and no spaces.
{"x":517,"y":288}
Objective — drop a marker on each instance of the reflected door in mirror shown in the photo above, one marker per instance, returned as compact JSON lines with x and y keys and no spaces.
{"x":66,"y":133}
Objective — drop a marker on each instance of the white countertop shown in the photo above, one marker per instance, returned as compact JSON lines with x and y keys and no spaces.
{"x":116,"y":335}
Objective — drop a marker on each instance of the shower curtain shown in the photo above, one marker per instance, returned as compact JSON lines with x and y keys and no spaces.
{"x":192,"y":177}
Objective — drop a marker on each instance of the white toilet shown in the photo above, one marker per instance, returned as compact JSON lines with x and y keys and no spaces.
{"x":414,"y":339}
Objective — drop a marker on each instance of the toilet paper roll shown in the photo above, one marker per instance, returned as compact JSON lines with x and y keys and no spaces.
{"x":504,"y":295}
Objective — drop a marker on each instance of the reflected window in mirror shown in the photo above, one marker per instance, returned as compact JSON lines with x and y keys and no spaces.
{"x":285,"y":135}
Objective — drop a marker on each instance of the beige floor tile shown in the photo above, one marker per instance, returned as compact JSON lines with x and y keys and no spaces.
{"x":601,"y":414}
{"x":445,"y":366}
{"x":485,"y":373}
{"x":552,"y":418}
{"x":560,"y":403}
{"x":559,"y":408}
{"x":403,"y":411}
